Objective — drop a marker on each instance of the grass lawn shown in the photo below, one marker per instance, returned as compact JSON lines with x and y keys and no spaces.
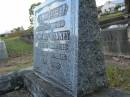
{"x":110,"y":16}
{"x":118,"y":77}
{"x":20,"y":55}
{"x":17,"y":47}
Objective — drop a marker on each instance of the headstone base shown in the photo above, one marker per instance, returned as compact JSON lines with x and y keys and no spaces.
{"x":36,"y":87}
{"x":40,"y":88}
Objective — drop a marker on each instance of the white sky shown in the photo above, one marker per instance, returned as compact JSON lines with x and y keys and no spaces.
{"x":14,"y":13}
{"x":101,"y":2}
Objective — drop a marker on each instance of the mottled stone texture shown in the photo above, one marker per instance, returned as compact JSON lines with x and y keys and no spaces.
{"x":19,"y":93}
{"x":3,"y":50}
{"x":34,"y":85}
{"x":91,"y":68}
{"x":10,"y":82}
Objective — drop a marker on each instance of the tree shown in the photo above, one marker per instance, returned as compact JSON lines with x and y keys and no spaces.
{"x":31,"y":12}
{"x":117,"y":7}
{"x":127,"y":4}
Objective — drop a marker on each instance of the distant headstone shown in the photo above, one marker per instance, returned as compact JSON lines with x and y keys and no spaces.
{"x":67,"y":50}
{"x":3,"y":50}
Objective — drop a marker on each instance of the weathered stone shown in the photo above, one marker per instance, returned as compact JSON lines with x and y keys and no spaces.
{"x":19,"y":93}
{"x":34,"y":85}
{"x":3,"y":50}
{"x":38,"y":87}
{"x":10,"y":82}
{"x":67,"y":49}
{"x":68,"y":61}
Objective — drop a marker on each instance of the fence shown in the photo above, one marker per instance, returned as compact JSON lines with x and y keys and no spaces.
{"x":116,"y":41}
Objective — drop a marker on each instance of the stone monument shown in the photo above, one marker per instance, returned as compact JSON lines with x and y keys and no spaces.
{"x":68,"y":61}
{"x":3,"y":50}
{"x":67,"y":52}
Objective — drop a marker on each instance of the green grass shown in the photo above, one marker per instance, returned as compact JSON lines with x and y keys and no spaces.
{"x":110,"y":16}
{"x":20,"y":55}
{"x":17,"y":47}
{"x":118,"y":77}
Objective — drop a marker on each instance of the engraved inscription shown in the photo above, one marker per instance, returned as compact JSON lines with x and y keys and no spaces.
{"x":59,"y":46}
{"x":56,"y":59}
{"x":55,"y":13}
{"x":53,"y":41}
{"x":54,"y":36}
{"x":59,"y":56}
{"x":56,"y":46}
{"x":62,"y":35}
{"x":45,"y":26}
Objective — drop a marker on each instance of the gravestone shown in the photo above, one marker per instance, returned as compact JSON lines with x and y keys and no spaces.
{"x":67,"y":49}
{"x":68,"y":61}
{"x":3,"y":50}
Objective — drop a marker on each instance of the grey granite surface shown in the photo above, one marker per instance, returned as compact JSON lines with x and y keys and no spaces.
{"x":10,"y":82}
{"x":103,"y":93}
{"x":91,"y":66}
{"x":20,"y":93}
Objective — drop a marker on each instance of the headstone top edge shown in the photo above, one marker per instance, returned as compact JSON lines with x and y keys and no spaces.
{"x":45,"y":3}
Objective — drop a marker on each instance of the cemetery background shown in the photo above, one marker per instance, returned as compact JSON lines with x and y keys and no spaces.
{"x":118,"y":75}
{"x":3,"y":50}
{"x":19,"y":54}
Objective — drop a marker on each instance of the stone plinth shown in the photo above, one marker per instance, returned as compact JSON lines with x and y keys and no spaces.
{"x":10,"y":82}
{"x":15,"y":85}
{"x":40,"y":88}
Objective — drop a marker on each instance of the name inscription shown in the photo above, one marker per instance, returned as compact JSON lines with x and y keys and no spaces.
{"x":54,"y":13}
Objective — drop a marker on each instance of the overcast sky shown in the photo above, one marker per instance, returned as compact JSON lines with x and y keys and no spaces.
{"x":14,"y":13}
